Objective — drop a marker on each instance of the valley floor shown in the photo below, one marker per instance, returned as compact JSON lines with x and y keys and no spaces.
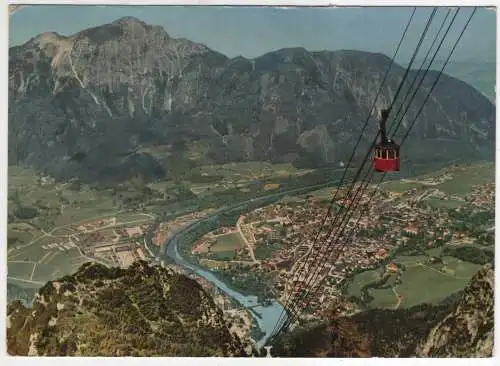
{"x":405,"y":251}
{"x":422,"y":240}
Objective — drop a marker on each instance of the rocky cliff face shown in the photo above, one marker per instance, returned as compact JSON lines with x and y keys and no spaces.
{"x":468,"y":330}
{"x":117,"y":91}
{"x":140,"y":311}
{"x":461,"y":326}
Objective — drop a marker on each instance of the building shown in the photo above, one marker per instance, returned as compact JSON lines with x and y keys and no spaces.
{"x":392,"y":267}
{"x":381,"y":253}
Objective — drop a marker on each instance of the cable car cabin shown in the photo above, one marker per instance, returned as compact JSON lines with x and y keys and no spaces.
{"x":386,"y":152}
{"x":386,"y":157}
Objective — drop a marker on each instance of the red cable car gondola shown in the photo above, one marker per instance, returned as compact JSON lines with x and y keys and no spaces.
{"x":386,"y":152}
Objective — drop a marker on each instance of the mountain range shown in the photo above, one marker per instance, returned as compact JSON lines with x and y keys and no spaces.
{"x":478,"y":73}
{"x":126,"y":99}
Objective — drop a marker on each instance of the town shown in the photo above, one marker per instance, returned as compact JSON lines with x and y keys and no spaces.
{"x":282,"y":241}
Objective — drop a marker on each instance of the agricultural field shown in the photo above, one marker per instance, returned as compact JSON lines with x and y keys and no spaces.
{"x":48,"y":205}
{"x":95,"y":210}
{"x":200,"y":188}
{"x":435,"y":252}
{"x":64,"y":231}
{"x":324,"y":193}
{"x":66,"y":261}
{"x":20,"y":270}
{"x":265,"y":251}
{"x":361,"y":280}
{"x":271,"y":186}
{"x":291,"y":199}
{"x":44,"y":273}
{"x":212,"y":178}
{"x":43,"y":261}
{"x":224,"y":255}
{"x":248,"y":171}
{"x":20,"y":233}
{"x":422,"y":282}
{"x":228,"y":242}
{"x":459,"y":269}
{"x":20,"y":177}
{"x":425,"y":284}
{"x":25,"y":284}
{"x":465,"y":178}
{"x":30,"y":253}
{"x":132,"y":217}
{"x":43,"y":239}
{"x":383,"y":298}
{"x":408,"y":260}
{"x":447,"y":204}
{"x":399,"y":186}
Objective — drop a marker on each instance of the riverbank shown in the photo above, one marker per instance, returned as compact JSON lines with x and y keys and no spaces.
{"x":265,"y":316}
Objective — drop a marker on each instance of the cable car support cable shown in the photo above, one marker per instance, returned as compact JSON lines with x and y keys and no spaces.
{"x":348,"y":196}
{"x":362,"y":212}
{"x":424,"y":60}
{"x":427,"y":69}
{"x":427,"y":98}
{"x":328,"y":213}
{"x":404,"y":139}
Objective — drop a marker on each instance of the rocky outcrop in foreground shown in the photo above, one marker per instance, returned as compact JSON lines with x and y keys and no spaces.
{"x":139,"y":311}
{"x":461,"y":326}
{"x":468,"y":330}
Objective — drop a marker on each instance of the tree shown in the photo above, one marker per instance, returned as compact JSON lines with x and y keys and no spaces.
{"x":25,"y":213}
{"x":75,"y":185}
{"x":138,"y":183}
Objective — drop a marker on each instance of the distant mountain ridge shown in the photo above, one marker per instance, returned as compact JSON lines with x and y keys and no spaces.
{"x":117,"y":88}
{"x":477,"y":73}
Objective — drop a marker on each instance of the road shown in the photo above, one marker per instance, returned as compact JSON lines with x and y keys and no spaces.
{"x":399,"y":297}
{"x":268,"y":316}
{"x":265,"y":198}
{"x":247,"y":243}
{"x":45,"y":234}
{"x":49,"y":234}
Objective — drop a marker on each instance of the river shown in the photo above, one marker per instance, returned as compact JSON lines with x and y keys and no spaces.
{"x":267,"y":315}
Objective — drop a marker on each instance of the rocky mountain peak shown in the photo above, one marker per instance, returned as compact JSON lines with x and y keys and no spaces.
{"x":129,"y":21}
{"x":48,"y":37}
{"x":46,"y":40}
{"x":109,"y":88}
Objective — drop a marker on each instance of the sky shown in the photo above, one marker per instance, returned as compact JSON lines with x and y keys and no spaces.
{"x":251,"y":32}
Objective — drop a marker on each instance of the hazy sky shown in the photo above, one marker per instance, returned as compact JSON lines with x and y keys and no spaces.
{"x":251,"y":32}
